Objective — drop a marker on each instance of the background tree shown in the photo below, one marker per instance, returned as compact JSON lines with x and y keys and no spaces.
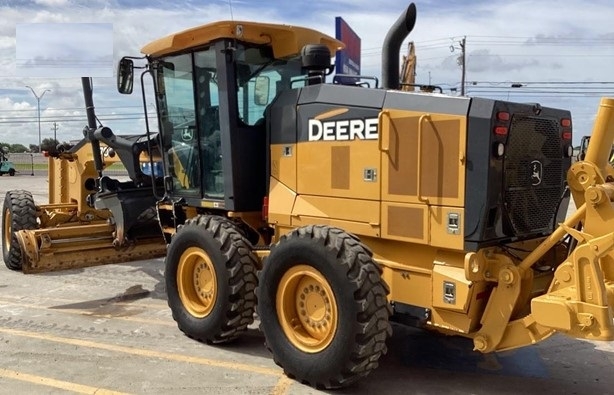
{"x":49,"y":144}
{"x":13,"y":148}
{"x":18,"y":148}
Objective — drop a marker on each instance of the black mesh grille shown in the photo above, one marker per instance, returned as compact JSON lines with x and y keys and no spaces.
{"x":533,"y":173}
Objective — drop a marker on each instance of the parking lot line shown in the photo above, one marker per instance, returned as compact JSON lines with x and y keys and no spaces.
{"x":145,"y":353}
{"x":48,"y":382}
{"x":283,"y":386}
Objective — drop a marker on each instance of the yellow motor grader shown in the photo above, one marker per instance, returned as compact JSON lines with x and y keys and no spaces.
{"x":336,"y":209}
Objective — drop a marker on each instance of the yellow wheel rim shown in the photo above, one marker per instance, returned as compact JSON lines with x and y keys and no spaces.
{"x":7,"y":229}
{"x":307,"y":309}
{"x":197,"y":282}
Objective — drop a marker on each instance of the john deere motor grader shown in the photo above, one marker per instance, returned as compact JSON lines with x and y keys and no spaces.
{"x":343,"y":208}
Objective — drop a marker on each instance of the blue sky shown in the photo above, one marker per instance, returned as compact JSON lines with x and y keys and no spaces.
{"x":562,"y":52}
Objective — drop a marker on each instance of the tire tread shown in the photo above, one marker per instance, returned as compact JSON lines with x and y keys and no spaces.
{"x":23,"y":217}
{"x":241,"y":268}
{"x":369,"y":290}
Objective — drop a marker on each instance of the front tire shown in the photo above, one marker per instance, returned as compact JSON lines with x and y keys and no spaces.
{"x":12,"y":172}
{"x":323,"y":307}
{"x":18,"y":213}
{"x":210,"y":279}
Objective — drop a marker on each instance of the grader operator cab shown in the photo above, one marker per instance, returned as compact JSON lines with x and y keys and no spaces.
{"x":341,"y":208}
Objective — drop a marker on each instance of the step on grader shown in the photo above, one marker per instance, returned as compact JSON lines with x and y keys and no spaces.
{"x":334,"y":209}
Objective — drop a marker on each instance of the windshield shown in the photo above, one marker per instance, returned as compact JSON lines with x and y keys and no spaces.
{"x":188,"y":100}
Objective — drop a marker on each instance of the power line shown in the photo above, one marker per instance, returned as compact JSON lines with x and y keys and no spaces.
{"x":52,"y":117}
{"x":479,"y":40}
{"x":102,"y":118}
{"x":71,"y":108}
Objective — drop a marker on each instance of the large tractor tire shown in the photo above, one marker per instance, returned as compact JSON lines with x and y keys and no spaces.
{"x":323,"y":307}
{"x":211,"y":279}
{"x":18,"y":213}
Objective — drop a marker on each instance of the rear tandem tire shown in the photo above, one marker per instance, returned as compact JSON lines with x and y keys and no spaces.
{"x":210,"y":279}
{"x":18,"y":213}
{"x":323,"y":307}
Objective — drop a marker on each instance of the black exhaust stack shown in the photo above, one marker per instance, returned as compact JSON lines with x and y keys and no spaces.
{"x":392,"y":47}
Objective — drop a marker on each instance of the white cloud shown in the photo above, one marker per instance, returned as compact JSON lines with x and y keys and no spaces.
{"x":52,"y":3}
{"x":490,"y":57}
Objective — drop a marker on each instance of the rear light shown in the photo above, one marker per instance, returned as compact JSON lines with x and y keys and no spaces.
{"x":499,"y":150}
{"x":265,"y":208}
{"x":565,"y":122}
{"x":46,"y":154}
{"x":566,"y":135}
{"x":569,"y":151}
{"x":503,"y":116}
{"x":501,"y":130}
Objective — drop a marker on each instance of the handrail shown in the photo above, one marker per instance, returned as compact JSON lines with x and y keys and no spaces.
{"x":419,"y":177}
{"x":380,"y":119}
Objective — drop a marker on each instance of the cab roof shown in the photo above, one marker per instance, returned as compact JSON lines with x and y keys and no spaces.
{"x":285,"y":40}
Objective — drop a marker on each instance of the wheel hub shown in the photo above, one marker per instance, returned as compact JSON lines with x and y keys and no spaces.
{"x":314,"y":307}
{"x":307,"y":309}
{"x":197,"y":282}
{"x":204,"y":282}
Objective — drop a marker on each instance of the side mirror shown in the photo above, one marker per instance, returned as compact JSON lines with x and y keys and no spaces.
{"x":125,"y":76}
{"x":261,"y":90}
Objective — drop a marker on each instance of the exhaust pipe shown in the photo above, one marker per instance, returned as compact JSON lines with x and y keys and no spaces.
{"x":392,"y":47}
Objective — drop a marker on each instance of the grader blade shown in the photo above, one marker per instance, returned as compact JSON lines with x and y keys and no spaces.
{"x":78,"y":246}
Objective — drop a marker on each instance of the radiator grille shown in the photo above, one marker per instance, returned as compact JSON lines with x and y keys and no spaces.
{"x":533,"y":173}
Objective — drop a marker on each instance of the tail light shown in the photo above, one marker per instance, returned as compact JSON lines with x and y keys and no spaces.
{"x":503,"y":116}
{"x":500,"y":130}
{"x":566,"y":125}
{"x":265,"y":208}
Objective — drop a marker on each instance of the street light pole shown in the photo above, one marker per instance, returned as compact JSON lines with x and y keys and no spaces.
{"x":38,"y":103}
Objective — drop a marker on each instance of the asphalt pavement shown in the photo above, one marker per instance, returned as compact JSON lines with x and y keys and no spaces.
{"x":108,"y":329}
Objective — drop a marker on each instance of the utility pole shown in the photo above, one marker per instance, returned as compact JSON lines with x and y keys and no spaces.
{"x":55,"y":129}
{"x":461,"y":61}
{"x":462,"y":45}
{"x":38,"y":102}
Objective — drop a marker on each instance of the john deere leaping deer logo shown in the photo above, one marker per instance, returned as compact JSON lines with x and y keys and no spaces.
{"x":536,"y":172}
{"x":187,"y":134}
